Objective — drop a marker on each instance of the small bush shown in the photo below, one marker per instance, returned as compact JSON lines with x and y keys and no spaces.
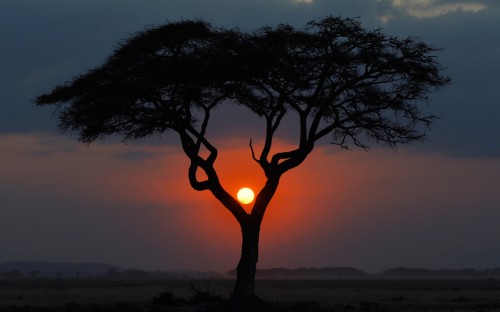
{"x":168,"y":299}
{"x":199,"y":295}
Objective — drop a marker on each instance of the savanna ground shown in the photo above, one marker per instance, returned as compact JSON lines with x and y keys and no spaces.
{"x":276,"y":295}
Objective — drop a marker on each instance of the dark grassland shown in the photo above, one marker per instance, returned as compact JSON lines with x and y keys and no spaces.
{"x":277,"y":295}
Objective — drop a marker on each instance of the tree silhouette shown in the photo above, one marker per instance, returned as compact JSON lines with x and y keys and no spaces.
{"x":357,"y":86}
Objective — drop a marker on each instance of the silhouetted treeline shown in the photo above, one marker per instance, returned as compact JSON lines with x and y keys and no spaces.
{"x":309,"y":273}
{"x":143,"y":274}
{"x":353,"y":273}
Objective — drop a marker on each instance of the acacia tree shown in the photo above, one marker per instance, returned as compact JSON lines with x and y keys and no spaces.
{"x":341,"y":80}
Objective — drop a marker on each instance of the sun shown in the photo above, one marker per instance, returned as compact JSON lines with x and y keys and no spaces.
{"x":245,"y":195}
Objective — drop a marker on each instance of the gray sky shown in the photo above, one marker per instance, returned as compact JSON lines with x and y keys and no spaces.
{"x":434,"y":205}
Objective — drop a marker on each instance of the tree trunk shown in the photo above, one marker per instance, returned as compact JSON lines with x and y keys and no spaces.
{"x":244,"y":290}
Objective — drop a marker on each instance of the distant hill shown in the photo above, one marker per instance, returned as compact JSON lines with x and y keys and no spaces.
{"x":56,"y":269}
{"x":40,"y":269}
{"x":417,"y":273}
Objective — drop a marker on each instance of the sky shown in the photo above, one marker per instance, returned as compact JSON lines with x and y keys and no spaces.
{"x":430,"y":205}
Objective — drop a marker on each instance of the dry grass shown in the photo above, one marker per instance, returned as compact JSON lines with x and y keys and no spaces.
{"x":279,"y":295}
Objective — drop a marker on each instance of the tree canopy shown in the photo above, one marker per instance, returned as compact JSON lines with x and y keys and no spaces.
{"x":340,"y":79}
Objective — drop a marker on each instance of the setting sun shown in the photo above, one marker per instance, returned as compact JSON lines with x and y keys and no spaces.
{"x":245,"y":195}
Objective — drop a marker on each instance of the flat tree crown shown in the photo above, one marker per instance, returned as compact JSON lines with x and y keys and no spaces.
{"x":340,"y":79}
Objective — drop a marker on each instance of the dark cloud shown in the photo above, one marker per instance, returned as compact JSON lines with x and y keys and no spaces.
{"x":45,"y":43}
{"x":137,"y":155}
{"x":468,"y":107}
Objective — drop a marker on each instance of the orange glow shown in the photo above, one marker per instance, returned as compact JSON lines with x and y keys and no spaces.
{"x":334,"y":200}
{"x":245,"y":195}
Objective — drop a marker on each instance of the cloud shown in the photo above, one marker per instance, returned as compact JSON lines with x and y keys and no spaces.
{"x":302,"y":1}
{"x":137,"y":155}
{"x":432,"y":8}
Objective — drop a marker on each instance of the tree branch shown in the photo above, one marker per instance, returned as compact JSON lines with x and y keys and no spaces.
{"x":253,"y":153}
{"x":271,"y":127}
{"x":203,"y":127}
{"x":213,"y":151}
{"x":212,"y":182}
{"x":193,"y":179}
